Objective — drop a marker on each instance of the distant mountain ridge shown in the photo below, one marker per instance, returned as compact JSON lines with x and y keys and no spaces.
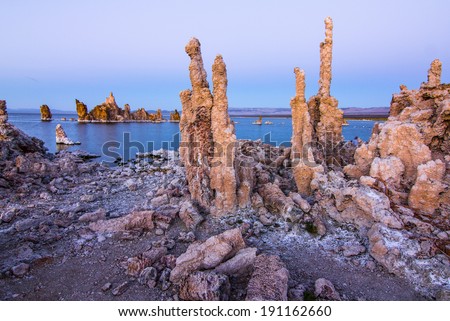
{"x":350,"y":112}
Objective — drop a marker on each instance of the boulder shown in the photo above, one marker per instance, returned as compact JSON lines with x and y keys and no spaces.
{"x":205,"y":286}
{"x":142,"y":220}
{"x":208,"y":254}
{"x":269,"y":280}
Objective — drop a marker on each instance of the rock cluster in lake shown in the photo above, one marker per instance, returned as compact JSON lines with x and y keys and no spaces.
{"x":175,"y":116}
{"x":46,"y":114}
{"x":109,"y":111}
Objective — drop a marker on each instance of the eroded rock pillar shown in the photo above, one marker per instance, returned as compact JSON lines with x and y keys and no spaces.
{"x":195,"y":126}
{"x":434,"y":73}
{"x":223,"y":176}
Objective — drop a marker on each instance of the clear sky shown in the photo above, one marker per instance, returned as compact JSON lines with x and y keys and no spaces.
{"x":55,"y":51}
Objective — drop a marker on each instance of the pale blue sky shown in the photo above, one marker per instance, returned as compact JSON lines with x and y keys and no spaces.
{"x":55,"y":51}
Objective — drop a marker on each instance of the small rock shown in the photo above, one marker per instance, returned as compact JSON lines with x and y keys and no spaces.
{"x":325,"y":290}
{"x":46,"y":196}
{"x":8,"y":216}
{"x":371,"y":265}
{"x":160,"y":201}
{"x":442,"y":235}
{"x":159,"y":232}
{"x":106,"y":287}
{"x":265,"y":219}
{"x":320,"y":226}
{"x":300,"y":201}
{"x":87,"y":198}
{"x":99,"y":214}
{"x":353,"y":249}
{"x":148,"y":277}
{"x":297,"y":293}
{"x":154,"y":254}
{"x":121,"y":288}
{"x":186,"y":237}
{"x":131,"y":184}
{"x":164,"y":279}
{"x":189,"y":215}
{"x":20,"y":270}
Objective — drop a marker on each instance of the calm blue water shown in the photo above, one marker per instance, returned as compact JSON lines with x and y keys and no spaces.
{"x":111,"y":140}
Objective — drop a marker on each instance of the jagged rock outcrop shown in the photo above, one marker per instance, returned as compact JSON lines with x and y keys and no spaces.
{"x":46,"y":114}
{"x":24,"y":159}
{"x":82,"y":111}
{"x":61,"y":137}
{"x":175,"y":116}
{"x":269,"y":281}
{"x":417,"y":259}
{"x":358,"y":205}
{"x":14,"y":142}
{"x":3,"y":112}
{"x":407,"y":155}
{"x":109,"y":111}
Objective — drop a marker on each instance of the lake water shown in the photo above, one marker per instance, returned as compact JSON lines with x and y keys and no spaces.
{"x":126,"y":139}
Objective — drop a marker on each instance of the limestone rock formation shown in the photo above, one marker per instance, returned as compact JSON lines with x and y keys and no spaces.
{"x":109,"y":111}
{"x":269,"y":281}
{"x":434,"y":73}
{"x":61,"y":137}
{"x":424,"y":196}
{"x":208,"y":141}
{"x":195,"y":127}
{"x":301,"y":120}
{"x":326,"y":117}
{"x":407,"y":155}
{"x":175,"y":116}
{"x":223,"y":176}
{"x":46,"y":114}
{"x":3,"y":112}
{"x":316,"y":125}
{"x":82,"y":111}
{"x":207,"y":255}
